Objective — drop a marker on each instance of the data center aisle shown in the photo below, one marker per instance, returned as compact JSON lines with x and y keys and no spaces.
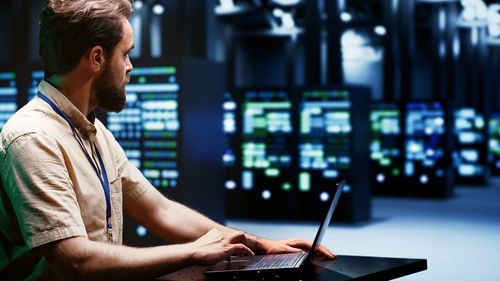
{"x":460,"y":237}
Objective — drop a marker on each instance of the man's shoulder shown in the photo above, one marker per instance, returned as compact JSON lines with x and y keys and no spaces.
{"x":30,"y":119}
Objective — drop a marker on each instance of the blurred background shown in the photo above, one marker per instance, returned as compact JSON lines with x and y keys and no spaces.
{"x":251,"y":110}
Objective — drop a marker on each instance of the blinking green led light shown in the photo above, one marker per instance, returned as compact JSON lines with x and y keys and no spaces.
{"x":376,"y":155}
{"x":286,"y":186}
{"x":272,"y":172}
{"x":168,"y":70}
{"x":331,"y":159}
{"x":305,"y":123}
{"x":385,"y":162}
{"x":142,"y":80}
{"x":396,"y":172}
{"x":7,"y":75}
{"x":304,"y":181}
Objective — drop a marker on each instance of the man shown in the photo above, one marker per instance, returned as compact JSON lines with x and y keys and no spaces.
{"x":65,"y":180}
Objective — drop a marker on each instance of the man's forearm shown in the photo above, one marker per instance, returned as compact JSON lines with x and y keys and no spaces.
{"x":194,"y":225}
{"x":168,"y":219}
{"x":88,"y":260}
{"x":175,"y":222}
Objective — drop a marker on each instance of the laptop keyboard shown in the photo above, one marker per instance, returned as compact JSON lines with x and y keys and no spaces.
{"x":278,"y":261}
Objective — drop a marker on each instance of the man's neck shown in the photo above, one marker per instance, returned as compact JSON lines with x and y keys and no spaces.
{"x":75,"y":89}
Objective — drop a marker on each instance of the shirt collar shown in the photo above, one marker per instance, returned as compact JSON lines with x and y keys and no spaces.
{"x":85,"y":125}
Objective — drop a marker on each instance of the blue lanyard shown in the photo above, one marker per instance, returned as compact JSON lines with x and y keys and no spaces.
{"x":103,"y":178}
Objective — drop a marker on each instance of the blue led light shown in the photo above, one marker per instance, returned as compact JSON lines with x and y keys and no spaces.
{"x":424,"y":179}
{"x":228,"y":157}
{"x":324,"y":196}
{"x":247,"y":180}
{"x":439,"y":173}
{"x":229,"y":105}
{"x":331,"y":174}
{"x":380,"y":178}
{"x":409,"y":169}
{"x":470,"y":155}
{"x":141,"y":231}
{"x":230,"y":185}
{"x":266,"y":194}
{"x":467,"y":170}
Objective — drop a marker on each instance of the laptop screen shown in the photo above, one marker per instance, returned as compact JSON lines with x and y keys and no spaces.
{"x":326,"y":222}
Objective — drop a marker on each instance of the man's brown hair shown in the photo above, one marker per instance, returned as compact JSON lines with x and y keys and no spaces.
{"x":69,"y":28}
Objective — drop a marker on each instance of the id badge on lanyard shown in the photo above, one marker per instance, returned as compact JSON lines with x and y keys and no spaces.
{"x":103,"y":177}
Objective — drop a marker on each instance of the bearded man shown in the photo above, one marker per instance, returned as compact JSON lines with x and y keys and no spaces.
{"x":66,"y":181}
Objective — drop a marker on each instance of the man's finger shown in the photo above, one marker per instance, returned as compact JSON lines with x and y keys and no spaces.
{"x":306,"y":245}
{"x":299,"y":243}
{"x":237,"y":237}
{"x":293,"y":250}
{"x":325,"y":252}
{"x":240,"y":250}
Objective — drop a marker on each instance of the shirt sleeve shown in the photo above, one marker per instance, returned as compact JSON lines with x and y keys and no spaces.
{"x":37,"y":183}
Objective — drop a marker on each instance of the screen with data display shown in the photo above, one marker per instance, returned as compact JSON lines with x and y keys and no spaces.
{"x":385,"y":146}
{"x":494,"y":143}
{"x":324,"y":141}
{"x":147,"y":129}
{"x":469,"y":155}
{"x":8,"y":96}
{"x":425,"y":142}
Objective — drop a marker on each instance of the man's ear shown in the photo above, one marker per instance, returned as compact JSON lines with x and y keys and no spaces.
{"x":96,"y":59}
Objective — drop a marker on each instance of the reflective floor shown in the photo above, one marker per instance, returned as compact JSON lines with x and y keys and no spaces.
{"x":460,"y":237}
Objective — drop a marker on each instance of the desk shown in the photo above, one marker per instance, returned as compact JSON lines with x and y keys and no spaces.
{"x":342,"y":268}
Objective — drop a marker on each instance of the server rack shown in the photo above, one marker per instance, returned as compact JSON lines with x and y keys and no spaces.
{"x":292,"y":146}
{"x":335,"y":148}
{"x":263,"y":148}
{"x":428,"y":146}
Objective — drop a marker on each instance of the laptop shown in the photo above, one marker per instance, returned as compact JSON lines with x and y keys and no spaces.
{"x":278,"y":265}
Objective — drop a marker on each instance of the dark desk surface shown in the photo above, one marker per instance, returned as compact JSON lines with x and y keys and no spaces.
{"x":342,"y":268}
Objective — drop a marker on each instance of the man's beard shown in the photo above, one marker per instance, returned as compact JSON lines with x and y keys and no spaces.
{"x":109,"y":96}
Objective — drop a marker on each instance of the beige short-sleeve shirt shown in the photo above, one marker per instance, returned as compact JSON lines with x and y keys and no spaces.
{"x":50,"y":190}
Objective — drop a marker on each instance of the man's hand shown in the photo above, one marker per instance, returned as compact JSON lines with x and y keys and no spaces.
{"x":292,"y":246}
{"x":216,"y":245}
